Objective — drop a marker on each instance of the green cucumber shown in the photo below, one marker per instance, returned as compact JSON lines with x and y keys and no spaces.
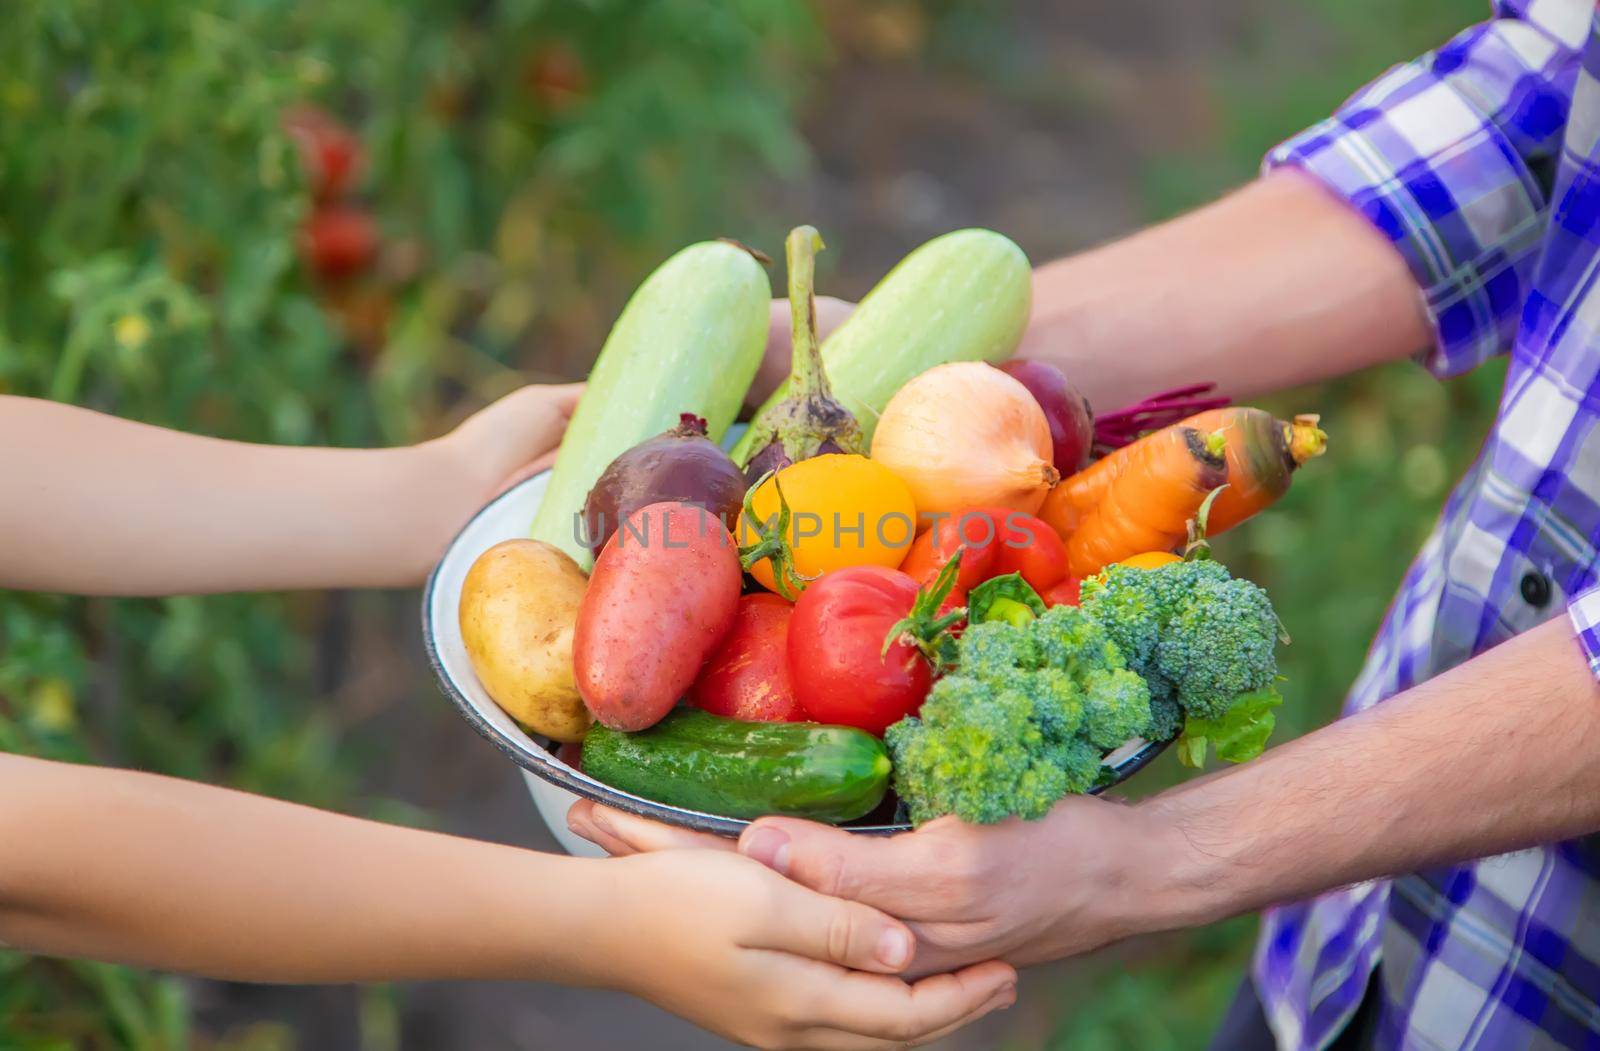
{"x":963,"y":296}
{"x":689,"y":340}
{"x":740,"y":769}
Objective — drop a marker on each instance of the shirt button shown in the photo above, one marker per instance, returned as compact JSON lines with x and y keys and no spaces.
{"x":1536,"y":589}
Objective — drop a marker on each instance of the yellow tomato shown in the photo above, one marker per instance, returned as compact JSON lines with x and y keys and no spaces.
{"x":845,"y":510}
{"x":1149,"y":560}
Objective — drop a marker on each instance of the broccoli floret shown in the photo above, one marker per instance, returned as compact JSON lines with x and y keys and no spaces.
{"x":975,"y":753}
{"x":1058,"y":702}
{"x":1033,"y":706}
{"x":1219,"y":643}
{"x":1134,"y":605}
{"x":1116,"y":706}
{"x":1115,"y":702}
{"x":1166,"y":718}
{"x":995,"y":649}
{"x":1080,"y":764}
{"x":1067,"y":638}
{"x":1024,"y":720}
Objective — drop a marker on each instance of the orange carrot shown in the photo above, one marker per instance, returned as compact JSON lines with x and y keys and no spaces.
{"x":1147,"y":505}
{"x":1077,"y":494}
{"x":1262,"y":453}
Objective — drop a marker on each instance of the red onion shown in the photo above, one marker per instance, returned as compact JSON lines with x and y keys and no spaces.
{"x":1071,"y":421}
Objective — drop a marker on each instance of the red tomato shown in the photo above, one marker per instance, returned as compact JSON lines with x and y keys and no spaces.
{"x":934,"y":548}
{"x":1029,"y":546}
{"x":330,"y":153}
{"x":836,"y":659}
{"x":1064,"y":593}
{"x":571,"y":753}
{"x":557,"y":76}
{"x":747,"y":676}
{"x":338,"y":241}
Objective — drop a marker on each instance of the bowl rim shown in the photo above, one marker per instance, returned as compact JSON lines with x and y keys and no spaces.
{"x":544,"y":764}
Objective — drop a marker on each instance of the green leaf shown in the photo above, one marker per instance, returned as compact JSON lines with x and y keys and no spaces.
{"x":984,"y":602}
{"x":1240,"y":735}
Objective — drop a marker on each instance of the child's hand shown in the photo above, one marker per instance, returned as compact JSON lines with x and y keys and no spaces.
{"x":728,"y":944}
{"x":514,"y":438}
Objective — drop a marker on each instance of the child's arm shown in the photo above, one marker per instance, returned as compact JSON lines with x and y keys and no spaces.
{"x":92,"y":504}
{"x":147,"y":870}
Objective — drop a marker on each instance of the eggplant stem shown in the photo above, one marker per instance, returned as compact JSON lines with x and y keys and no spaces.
{"x":805,"y":366}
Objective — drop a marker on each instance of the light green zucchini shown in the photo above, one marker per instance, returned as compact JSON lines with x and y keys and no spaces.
{"x":689,"y":340}
{"x":963,"y":296}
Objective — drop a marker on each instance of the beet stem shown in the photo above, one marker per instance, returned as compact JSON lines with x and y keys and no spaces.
{"x":1123,"y":426}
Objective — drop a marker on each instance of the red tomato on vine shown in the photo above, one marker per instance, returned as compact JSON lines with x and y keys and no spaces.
{"x":330,"y":153}
{"x":338,"y":242}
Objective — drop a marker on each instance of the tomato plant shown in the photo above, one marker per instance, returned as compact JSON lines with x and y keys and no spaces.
{"x":159,"y":162}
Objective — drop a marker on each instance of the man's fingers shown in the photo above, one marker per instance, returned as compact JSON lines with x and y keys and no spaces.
{"x":830,"y":930}
{"x":834,"y":862}
{"x":889,"y":1013}
{"x":631,"y":834}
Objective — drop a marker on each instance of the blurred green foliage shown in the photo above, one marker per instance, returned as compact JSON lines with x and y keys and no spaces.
{"x":524,"y":162}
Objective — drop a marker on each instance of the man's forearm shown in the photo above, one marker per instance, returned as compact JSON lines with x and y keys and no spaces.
{"x":1276,"y":285}
{"x":1493,"y":756}
{"x":116,"y":865}
{"x":97,"y":505}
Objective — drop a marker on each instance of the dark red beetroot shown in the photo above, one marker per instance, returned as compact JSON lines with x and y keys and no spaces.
{"x":682,"y":466}
{"x":748,"y":675}
{"x":1071,"y":420}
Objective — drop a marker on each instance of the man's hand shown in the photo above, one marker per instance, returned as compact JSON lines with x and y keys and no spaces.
{"x":1091,"y":873}
{"x":1493,"y":756}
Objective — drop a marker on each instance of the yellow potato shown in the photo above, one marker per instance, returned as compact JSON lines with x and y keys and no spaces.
{"x":519,"y":605}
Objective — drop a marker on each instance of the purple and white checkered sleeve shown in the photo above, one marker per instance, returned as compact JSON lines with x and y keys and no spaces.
{"x":1584,"y":610}
{"x":1450,"y":157}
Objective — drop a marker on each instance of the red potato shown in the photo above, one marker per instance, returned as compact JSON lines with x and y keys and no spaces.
{"x":663,"y":594}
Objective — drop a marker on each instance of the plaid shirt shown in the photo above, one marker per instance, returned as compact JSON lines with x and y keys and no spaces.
{"x":1480,"y":161}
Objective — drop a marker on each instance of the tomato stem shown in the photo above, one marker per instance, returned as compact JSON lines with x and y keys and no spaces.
{"x":772,"y":542}
{"x":923,"y":627}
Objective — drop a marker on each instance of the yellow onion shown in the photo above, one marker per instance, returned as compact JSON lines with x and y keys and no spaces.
{"x":967,"y":435}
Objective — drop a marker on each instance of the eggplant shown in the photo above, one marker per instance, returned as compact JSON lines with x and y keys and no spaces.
{"x":809,"y":421}
{"x":681,"y":465}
